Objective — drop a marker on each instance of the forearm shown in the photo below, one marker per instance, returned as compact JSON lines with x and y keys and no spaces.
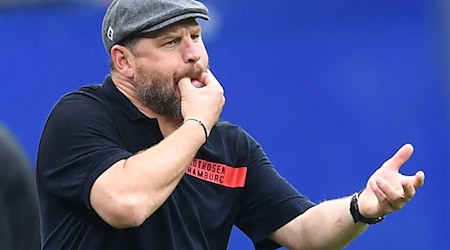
{"x":131,"y":190}
{"x":166,"y":162}
{"x":328,"y":225}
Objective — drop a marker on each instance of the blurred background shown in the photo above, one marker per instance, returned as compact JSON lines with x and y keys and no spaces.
{"x":331,"y":89}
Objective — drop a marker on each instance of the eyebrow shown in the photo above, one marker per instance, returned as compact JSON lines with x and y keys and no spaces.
{"x":171,"y":31}
{"x":175,"y":31}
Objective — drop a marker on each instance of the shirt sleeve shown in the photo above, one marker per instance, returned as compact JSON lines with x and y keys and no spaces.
{"x":79,"y":142}
{"x":269,"y":201}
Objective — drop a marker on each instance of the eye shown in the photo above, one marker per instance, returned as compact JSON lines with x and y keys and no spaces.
{"x":172,"y":42}
{"x":195,"y":37}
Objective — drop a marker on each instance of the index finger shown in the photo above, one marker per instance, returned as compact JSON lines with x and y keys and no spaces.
{"x":416,"y":180}
{"x":185,"y":83}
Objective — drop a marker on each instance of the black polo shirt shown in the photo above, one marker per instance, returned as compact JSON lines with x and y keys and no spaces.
{"x":230,"y":182}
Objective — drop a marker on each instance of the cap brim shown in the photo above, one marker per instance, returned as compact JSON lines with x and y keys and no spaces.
{"x":174,"y":20}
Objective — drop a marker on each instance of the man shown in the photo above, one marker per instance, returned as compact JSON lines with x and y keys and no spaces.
{"x":143,"y":162}
{"x":19,"y":211}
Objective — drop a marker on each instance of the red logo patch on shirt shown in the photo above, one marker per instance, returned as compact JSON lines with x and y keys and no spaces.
{"x":218,"y":173}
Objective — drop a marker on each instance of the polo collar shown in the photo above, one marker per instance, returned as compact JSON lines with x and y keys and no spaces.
{"x":122,"y":102}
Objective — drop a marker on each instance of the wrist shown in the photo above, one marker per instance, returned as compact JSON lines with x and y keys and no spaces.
{"x":201,"y":124}
{"x":356,"y":214}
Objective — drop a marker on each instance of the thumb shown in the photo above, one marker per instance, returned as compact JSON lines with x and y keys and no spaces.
{"x":400,"y":157}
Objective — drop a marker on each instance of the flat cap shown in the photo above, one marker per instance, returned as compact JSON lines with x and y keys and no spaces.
{"x":127,"y":17}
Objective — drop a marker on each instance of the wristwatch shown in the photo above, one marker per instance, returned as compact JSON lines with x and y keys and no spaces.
{"x":357,"y":216}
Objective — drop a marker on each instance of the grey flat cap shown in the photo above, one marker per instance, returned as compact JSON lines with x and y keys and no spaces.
{"x":126,"y":17}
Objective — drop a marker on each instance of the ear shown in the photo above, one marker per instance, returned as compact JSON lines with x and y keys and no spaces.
{"x":123,"y":60}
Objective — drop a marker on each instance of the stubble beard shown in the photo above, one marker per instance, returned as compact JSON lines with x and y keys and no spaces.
{"x":160,"y":93}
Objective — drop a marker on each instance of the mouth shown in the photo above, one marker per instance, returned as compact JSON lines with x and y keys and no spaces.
{"x":195,"y":73}
{"x":196,"y":83}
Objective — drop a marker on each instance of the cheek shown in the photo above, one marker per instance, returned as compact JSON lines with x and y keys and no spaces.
{"x":177,"y":92}
{"x":166,"y":74}
{"x":205,"y":59}
{"x":160,"y":65}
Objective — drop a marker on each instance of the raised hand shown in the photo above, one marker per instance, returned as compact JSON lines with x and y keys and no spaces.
{"x":202,"y":99}
{"x":387,"y":190}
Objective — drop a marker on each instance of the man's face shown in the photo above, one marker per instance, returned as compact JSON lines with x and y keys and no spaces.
{"x":176,"y":52}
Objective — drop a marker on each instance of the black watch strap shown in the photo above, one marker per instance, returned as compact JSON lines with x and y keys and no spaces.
{"x":357,"y":216}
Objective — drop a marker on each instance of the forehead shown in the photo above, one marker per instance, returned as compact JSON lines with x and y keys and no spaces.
{"x":187,"y":23}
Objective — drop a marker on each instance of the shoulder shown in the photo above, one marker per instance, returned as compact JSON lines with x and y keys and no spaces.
{"x":228,"y":132}
{"x":78,"y":104}
{"x":88,"y":93}
{"x":232,"y":131}
{"x":233,"y":137}
{"x":83,"y":112}
{"x":223,"y":127}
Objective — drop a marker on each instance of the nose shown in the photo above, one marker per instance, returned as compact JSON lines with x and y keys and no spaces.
{"x":191,"y":51}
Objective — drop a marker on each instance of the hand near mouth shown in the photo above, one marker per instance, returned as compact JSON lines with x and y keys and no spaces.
{"x":196,"y":83}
